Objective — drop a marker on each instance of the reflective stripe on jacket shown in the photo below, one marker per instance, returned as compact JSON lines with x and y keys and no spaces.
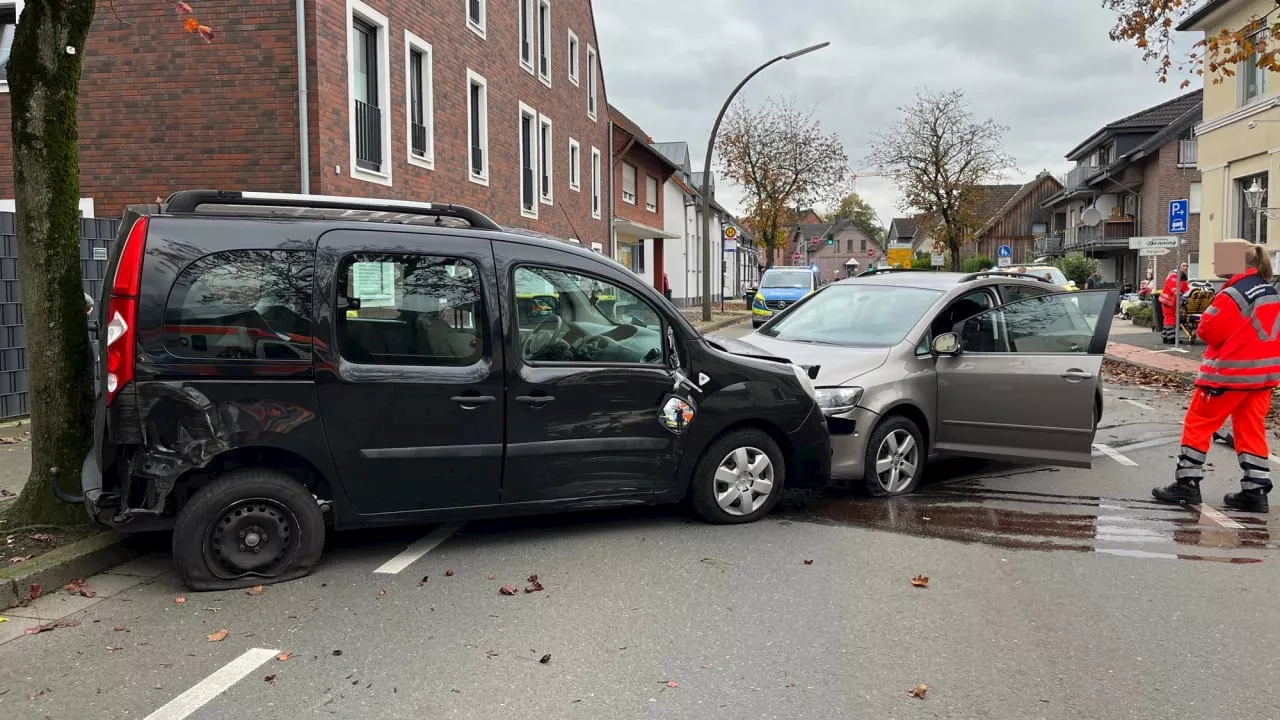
{"x":1242,"y":331}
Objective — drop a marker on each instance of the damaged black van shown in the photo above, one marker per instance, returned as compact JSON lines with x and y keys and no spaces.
{"x":273,"y":365}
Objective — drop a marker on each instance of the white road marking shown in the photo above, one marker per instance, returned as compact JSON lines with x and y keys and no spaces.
{"x":1114,"y":454}
{"x":1142,"y":445}
{"x":1216,"y":515}
{"x":1135,"y":403}
{"x":411,"y":554}
{"x":1275,"y":459}
{"x":1170,"y":350}
{"x":213,"y":686}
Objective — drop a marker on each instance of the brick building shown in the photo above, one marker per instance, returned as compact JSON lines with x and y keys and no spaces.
{"x":500,"y":106}
{"x":837,"y":249}
{"x":640,"y":173}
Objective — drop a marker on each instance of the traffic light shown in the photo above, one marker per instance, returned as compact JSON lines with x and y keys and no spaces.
{"x":831,"y":240}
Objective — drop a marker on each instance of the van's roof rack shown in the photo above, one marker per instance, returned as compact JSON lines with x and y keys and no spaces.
{"x":1003,"y":273}
{"x":879,"y":271}
{"x":187,"y":201}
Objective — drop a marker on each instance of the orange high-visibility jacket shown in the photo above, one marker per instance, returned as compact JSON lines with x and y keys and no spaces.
{"x":1173,"y":289}
{"x":1242,"y":331}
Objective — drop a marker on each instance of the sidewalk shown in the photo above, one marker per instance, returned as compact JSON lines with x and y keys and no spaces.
{"x":1165,"y":360}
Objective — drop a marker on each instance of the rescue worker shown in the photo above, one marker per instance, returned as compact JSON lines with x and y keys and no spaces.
{"x":1240,"y":369}
{"x":1174,"y":286}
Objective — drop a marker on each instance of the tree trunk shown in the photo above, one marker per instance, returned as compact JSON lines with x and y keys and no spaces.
{"x":955,"y":254}
{"x":44,"y":80}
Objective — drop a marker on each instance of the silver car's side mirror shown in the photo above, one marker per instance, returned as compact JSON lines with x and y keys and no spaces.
{"x":946,"y":344}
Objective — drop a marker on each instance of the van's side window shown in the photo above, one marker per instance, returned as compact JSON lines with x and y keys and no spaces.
{"x":567,"y":317}
{"x":242,"y":305}
{"x":405,"y":309}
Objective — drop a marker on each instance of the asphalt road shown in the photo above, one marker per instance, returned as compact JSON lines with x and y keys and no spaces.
{"x":1051,"y":594}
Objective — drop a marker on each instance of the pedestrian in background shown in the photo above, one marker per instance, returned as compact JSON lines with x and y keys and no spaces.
{"x":1174,"y":286}
{"x":1240,"y":369}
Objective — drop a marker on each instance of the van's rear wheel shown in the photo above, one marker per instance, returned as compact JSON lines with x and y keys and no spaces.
{"x":249,"y":527}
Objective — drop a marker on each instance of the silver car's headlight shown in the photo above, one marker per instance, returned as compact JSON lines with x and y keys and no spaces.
{"x":803,"y":376}
{"x":834,"y":401}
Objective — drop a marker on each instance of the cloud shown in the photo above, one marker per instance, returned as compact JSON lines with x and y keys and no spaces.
{"x":1045,"y":69}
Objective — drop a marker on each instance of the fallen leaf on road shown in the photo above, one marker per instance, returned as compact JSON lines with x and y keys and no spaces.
{"x":382,"y":593}
{"x":534,"y":585}
{"x":33,"y":592}
{"x":808,"y":562}
{"x":448,"y":573}
{"x":3,"y":619}
{"x":492,"y":577}
{"x":35,"y":694}
{"x":336,"y":653}
{"x":119,"y":628}
{"x":919,"y":691}
{"x":545,"y":659}
{"x":921,"y":581}
{"x":282,"y":657}
{"x":270,"y":678}
{"x":180,"y":600}
{"x":77,"y":587}
{"x":19,"y":558}
{"x":255,"y":590}
{"x":218,"y":636}
{"x":44,"y":537}
{"x":423,"y":581}
{"x":673,"y":684}
{"x":508,"y":590}
{"x":56,"y":625}
{"x":113,"y":648}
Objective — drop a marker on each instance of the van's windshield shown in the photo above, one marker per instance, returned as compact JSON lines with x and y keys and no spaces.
{"x":787,"y":279}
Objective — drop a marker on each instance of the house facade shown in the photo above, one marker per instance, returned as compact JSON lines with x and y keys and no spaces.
{"x":1125,"y":175}
{"x":499,"y":106}
{"x":639,"y":174}
{"x":1015,"y":217}
{"x":836,"y":249}
{"x":1238,"y":137}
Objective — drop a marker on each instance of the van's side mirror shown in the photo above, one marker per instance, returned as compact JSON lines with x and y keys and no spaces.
{"x":947,"y":344}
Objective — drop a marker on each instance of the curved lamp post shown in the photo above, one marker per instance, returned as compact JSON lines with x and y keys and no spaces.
{"x":706,"y":176}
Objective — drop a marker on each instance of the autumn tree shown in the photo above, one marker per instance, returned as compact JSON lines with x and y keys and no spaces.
{"x":939,"y":156}
{"x":854,"y":208}
{"x":782,"y":159}
{"x":1151,"y":25}
{"x":44,"y":81}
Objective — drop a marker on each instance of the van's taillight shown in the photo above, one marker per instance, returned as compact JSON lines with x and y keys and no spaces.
{"x":122,"y":310}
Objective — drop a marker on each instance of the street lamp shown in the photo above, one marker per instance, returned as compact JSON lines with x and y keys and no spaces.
{"x":1253,"y":198}
{"x":706,"y":176}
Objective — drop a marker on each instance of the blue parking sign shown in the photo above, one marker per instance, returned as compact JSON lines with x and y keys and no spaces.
{"x":1178,"y":211}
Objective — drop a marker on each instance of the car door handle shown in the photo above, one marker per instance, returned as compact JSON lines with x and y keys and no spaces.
{"x":468,"y":401}
{"x":1075,"y":375}
{"x":535,"y":400}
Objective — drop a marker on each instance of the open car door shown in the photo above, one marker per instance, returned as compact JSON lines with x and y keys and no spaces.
{"x":1020,"y":382}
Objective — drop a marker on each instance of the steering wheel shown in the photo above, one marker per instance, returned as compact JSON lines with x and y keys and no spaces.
{"x":541,"y":336}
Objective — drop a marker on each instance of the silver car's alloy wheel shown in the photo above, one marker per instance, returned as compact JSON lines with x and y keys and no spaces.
{"x":896,"y":461}
{"x":744,"y":480}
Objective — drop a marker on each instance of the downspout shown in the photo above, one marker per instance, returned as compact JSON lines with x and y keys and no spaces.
{"x":304,"y":131}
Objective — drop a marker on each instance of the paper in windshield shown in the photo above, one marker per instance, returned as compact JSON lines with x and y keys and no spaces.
{"x":374,"y":284}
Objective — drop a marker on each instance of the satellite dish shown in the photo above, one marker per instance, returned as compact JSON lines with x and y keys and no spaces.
{"x":1091,"y":217}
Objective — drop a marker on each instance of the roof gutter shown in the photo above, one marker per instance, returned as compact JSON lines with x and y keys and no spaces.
{"x":304,"y":131}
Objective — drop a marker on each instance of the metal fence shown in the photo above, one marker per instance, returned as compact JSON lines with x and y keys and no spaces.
{"x":95,"y":234}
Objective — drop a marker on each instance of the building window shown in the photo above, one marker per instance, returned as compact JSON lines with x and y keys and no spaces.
{"x":9,"y":12}
{"x":419,"y":94}
{"x":591,"y":82}
{"x":478,"y":128}
{"x":848,"y":245}
{"x":628,"y":184}
{"x":528,"y":161}
{"x":651,"y":194}
{"x":573,"y":60}
{"x":370,"y":90}
{"x":1250,"y":229}
{"x":575,"y":165}
{"x":527,"y":35}
{"x":1194,"y":198}
{"x":477,"y":12}
{"x":545,"y":185}
{"x":1253,"y":79}
{"x":595,"y":183}
{"x":544,"y":41}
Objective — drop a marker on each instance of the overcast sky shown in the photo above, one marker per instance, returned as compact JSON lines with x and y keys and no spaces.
{"x":1044,"y":68}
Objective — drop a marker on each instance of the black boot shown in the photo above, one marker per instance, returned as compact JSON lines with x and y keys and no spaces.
{"x":1254,"y":501}
{"x":1179,"y":493}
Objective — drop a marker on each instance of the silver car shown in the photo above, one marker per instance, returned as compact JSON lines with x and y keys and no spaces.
{"x":911,"y":366}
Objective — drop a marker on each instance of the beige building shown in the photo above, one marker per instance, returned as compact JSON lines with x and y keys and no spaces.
{"x":1239,"y":136}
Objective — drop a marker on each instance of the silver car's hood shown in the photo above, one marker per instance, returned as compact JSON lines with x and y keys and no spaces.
{"x":836,"y":365}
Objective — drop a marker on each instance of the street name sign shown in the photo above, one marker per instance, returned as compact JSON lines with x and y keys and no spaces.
{"x":1138,"y":243}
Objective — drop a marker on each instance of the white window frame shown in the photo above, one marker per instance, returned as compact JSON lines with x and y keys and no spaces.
{"x":528,"y":112}
{"x":596,"y":180}
{"x":358,"y":10}
{"x":573,"y":57}
{"x":1242,"y":86}
{"x":86,"y":207}
{"x":479,"y":28}
{"x":592,"y":74}
{"x":17,"y":5}
{"x":474,"y":78}
{"x":1195,"y":198}
{"x":634,"y":172}
{"x":527,"y":32}
{"x":411,"y":43}
{"x":651,"y":198}
{"x":546,"y":167}
{"x":575,"y":165}
{"x":544,"y":41}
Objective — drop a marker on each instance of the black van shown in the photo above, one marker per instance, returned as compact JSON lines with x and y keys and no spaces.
{"x":272,"y":364}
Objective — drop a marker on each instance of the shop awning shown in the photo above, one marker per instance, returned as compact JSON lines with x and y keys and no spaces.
{"x":640,"y":230}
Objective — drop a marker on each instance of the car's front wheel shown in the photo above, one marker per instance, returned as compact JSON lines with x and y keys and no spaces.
{"x":738,"y":478}
{"x":248,"y":527}
{"x":895,"y":458}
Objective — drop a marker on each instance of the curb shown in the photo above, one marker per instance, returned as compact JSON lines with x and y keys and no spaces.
{"x":59,"y":567}
{"x":721,"y":324}
{"x":1185,"y":379}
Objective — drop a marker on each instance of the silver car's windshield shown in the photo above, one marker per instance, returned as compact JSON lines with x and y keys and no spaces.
{"x":855,"y":315}
{"x":791,"y":279}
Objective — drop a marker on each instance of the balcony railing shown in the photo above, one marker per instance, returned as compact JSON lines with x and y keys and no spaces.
{"x":1187,"y":153}
{"x":368,"y":136}
{"x":1079,"y":176}
{"x":419,"y":139}
{"x":1048,"y":246}
{"x":1111,"y":234}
